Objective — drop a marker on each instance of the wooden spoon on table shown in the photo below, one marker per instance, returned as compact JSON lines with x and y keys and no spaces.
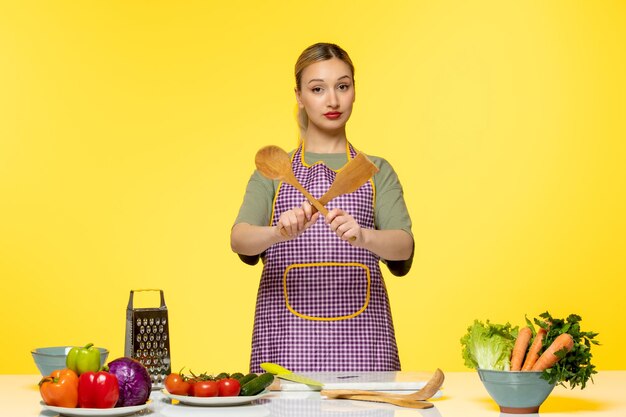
{"x":427,"y":391}
{"x":394,"y":401}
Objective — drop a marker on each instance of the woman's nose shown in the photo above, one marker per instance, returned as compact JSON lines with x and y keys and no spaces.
{"x":332,"y":99}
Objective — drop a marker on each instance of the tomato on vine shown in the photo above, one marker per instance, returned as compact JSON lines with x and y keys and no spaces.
{"x":177,"y":384}
{"x":205,"y":389}
{"x":228,"y":387}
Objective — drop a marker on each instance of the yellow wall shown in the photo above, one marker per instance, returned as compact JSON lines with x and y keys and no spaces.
{"x":128,"y":132}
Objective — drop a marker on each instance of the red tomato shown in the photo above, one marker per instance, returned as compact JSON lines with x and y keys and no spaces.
{"x":192,"y":385}
{"x":176,"y":384}
{"x":205,"y":389}
{"x":228,"y":387}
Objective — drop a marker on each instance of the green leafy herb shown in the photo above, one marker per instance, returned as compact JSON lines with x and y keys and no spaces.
{"x":574,"y":367}
{"x":489,"y":346}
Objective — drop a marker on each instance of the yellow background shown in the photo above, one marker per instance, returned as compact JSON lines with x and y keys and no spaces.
{"x":128,"y":131}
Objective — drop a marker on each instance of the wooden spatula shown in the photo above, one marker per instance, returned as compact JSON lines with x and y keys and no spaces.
{"x":427,"y":391}
{"x":352,"y":176}
{"x":394,"y":401}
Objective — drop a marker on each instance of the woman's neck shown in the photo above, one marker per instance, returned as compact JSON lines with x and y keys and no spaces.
{"x":317,"y":142}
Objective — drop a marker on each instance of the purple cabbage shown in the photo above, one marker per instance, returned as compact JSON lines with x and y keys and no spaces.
{"x":134,"y":381}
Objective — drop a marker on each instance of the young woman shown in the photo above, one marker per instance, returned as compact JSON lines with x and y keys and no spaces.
{"x":322,"y":303}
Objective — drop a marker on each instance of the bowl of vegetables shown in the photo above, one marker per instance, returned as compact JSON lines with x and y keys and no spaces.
{"x":516,"y":392}
{"x":50,"y":359}
{"x":520,"y":367}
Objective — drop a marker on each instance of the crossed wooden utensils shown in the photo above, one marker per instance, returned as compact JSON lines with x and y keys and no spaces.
{"x":274,"y":163}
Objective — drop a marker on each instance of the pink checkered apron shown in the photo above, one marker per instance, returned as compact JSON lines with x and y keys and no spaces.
{"x":322,"y":303}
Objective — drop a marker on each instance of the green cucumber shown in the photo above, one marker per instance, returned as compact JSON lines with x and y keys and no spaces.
{"x":257,"y":385}
{"x":222,"y":375}
{"x":244,"y":380}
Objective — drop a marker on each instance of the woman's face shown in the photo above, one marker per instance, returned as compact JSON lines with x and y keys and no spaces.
{"x":327,"y":94}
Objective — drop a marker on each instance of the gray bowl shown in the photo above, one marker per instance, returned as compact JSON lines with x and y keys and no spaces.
{"x":49,"y":359}
{"x":516,"y":392}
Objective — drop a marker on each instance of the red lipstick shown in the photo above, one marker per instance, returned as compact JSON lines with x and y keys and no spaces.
{"x":332,"y":115}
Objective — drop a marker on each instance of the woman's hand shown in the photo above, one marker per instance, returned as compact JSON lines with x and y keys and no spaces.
{"x":392,"y":245}
{"x":345,"y":226}
{"x":251,"y":240}
{"x":295,"y":221}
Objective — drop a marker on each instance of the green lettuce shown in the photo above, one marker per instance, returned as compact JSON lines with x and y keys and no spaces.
{"x":489,"y":346}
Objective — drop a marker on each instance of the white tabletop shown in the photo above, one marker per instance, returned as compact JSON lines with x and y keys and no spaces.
{"x":463,"y":396}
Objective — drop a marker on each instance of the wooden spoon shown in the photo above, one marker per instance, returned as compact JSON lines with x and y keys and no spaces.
{"x":394,"y":401}
{"x":427,"y":391}
{"x":274,"y":163}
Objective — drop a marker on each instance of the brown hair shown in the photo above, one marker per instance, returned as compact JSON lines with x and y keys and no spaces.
{"x":315,"y":53}
{"x":320,"y":52}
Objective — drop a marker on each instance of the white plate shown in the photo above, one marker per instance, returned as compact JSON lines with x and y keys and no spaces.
{"x":215,"y":401}
{"x":81,"y":412}
{"x":182,"y":410}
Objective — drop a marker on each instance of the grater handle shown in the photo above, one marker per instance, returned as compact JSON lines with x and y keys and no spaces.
{"x":132,"y":293}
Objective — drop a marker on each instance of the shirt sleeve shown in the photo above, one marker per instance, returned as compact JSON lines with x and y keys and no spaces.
{"x":390,"y":211}
{"x":256,"y":208}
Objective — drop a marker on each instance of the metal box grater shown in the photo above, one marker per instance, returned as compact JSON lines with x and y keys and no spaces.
{"x":148,"y":340}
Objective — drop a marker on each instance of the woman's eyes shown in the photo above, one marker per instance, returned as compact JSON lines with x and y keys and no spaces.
{"x":340,"y":87}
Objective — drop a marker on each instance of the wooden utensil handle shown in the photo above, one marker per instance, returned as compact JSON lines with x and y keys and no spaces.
{"x":341,"y":393}
{"x":291,"y":179}
{"x":394,"y":401}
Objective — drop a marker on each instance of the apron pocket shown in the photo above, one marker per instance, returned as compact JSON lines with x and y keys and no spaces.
{"x":327,"y":290}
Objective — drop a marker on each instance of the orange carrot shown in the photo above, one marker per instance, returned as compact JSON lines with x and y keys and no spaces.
{"x":533,"y":352}
{"x":548,"y":358}
{"x":520,"y":348}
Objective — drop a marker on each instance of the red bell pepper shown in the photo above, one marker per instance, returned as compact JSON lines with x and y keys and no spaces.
{"x":98,"y":390}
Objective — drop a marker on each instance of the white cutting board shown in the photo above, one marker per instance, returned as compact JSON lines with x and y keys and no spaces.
{"x":369,"y":381}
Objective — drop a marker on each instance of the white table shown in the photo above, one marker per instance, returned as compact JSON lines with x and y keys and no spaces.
{"x":464,"y":396}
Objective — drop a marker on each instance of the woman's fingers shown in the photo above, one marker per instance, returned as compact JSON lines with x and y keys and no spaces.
{"x":312,"y":220}
{"x":290,"y":222}
{"x":343,"y":224}
{"x":336,"y":218}
{"x":342,"y":229}
{"x":297,"y":220}
{"x":345,"y":230}
{"x":301,"y":217}
{"x":332,"y":214}
{"x":308,"y":210}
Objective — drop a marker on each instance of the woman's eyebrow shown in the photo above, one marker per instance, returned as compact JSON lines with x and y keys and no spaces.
{"x":321,"y":80}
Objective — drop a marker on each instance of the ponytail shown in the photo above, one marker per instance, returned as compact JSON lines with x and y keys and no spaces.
{"x":303,"y":122}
